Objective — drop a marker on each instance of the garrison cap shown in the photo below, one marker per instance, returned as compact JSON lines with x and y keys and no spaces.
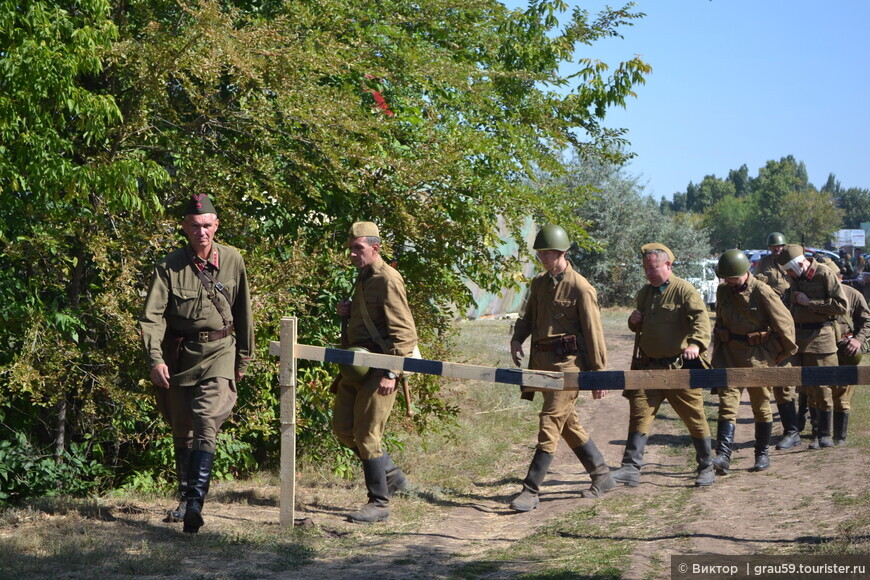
{"x":656,"y":246}
{"x":199,"y":204}
{"x":364,"y":229}
{"x":789,"y":253}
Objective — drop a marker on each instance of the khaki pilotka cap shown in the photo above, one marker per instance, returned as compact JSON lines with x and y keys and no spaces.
{"x":199,"y":204}
{"x":656,"y":246}
{"x":364,"y":229}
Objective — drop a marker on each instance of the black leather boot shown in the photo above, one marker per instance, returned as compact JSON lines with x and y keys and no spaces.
{"x":198,"y":482}
{"x":824,"y":419}
{"x":841,"y":425}
{"x":704,"y":456}
{"x":762,"y":446}
{"x":632,"y":460}
{"x":182,"y":463}
{"x":790,"y":436}
{"x":527,"y":500}
{"x":593,"y":463}
{"x":814,"y":423}
{"x":396,"y":480}
{"x":802,"y":412}
{"x":724,"y":445}
{"x":378,"y":507}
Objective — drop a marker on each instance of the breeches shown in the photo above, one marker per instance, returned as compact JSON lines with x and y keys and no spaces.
{"x":783,"y":395}
{"x":687,"y":403}
{"x":817,"y":397}
{"x":842,"y":398}
{"x":360,"y":415}
{"x":559,"y":418}
{"x":759,"y":397}
{"x":196,"y":413}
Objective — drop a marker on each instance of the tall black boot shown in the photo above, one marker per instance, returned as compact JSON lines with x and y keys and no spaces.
{"x":814,"y":423}
{"x":527,"y":500}
{"x":182,"y":464}
{"x":593,"y":463}
{"x":396,"y":480}
{"x":724,"y":445}
{"x":762,"y":446}
{"x":632,"y":460}
{"x":704,"y":456}
{"x":198,"y":482}
{"x":378,"y":507}
{"x":824,"y":419}
{"x":841,"y":425}
{"x":790,"y":436}
{"x":802,"y":412}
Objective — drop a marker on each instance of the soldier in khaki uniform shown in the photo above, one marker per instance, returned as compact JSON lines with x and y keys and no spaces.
{"x":198,"y":334}
{"x":769,"y":271}
{"x":852,"y":332}
{"x":815,"y":299}
{"x":563,"y":318}
{"x":674,"y":332}
{"x":753,"y":329}
{"x":379,"y":321}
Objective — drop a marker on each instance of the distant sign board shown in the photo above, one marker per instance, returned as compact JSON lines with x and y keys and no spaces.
{"x":854,"y":238}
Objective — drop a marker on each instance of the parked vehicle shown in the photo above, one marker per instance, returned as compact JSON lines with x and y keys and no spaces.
{"x":702,"y":275}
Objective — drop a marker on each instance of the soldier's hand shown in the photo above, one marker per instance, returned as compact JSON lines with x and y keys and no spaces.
{"x":636,"y":317}
{"x":343,"y":308}
{"x":387,"y":386}
{"x":598,"y":394}
{"x":691,"y":352}
{"x":517,"y":351}
{"x":800,"y":298}
{"x":853,"y":347}
{"x":239,"y":376}
{"x":160,"y":376}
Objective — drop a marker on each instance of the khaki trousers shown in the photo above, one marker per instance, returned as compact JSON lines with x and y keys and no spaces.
{"x":196,"y":413}
{"x":842,"y":397}
{"x":558,"y":419}
{"x":817,"y":397}
{"x":360,"y":415}
{"x":687,"y":403}
{"x":729,"y":403}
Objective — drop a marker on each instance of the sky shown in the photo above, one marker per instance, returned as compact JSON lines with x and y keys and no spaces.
{"x":739,"y":82}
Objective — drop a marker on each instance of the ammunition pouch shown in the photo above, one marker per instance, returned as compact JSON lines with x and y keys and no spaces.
{"x":565,"y":345}
{"x":756,"y":338}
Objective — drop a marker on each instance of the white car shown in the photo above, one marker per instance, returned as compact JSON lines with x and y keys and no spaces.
{"x":702,"y":275}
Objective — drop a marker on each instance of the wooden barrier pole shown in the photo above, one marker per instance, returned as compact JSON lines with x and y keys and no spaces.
{"x":287,"y":382}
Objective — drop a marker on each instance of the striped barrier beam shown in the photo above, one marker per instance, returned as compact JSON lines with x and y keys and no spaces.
{"x":718,"y":378}
{"x":535,"y":380}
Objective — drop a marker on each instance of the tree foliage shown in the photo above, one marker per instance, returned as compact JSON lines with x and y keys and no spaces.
{"x":298,"y":118}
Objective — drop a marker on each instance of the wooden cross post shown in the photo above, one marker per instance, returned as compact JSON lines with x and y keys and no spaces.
{"x":287,"y":382}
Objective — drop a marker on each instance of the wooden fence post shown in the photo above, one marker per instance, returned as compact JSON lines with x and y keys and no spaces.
{"x":287,"y":382}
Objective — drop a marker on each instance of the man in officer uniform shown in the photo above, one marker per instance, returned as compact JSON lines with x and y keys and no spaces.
{"x":378,"y":320}
{"x":564,"y":320}
{"x":753,"y":329}
{"x":852,"y":332}
{"x":198,"y":334}
{"x":815,"y":299}
{"x":674,"y":332}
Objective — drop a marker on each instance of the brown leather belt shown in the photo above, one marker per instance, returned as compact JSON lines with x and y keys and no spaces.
{"x":210,"y":335}
{"x":545,"y":346}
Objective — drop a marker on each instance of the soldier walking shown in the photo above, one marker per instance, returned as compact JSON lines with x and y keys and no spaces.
{"x":815,"y":298}
{"x":378,"y":320}
{"x":673,"y":331}
{"x":753,"y":329}
{"x":198,"y":334}
{"x":563,"y":318}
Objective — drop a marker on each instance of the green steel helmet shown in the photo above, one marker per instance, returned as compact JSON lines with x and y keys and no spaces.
{"x":732,"y":264}
{"x":552,"y":237}
{"x":845,"y":359}
{"x":775,"y":239}
{"x":353,"y":373}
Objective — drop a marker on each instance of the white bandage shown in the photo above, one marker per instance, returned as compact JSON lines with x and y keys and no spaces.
{"x":796,"y":265}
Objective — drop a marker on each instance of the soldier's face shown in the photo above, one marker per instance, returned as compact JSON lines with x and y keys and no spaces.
{"x":737,"y":280}
{"x":362,"y":253}
{"x":553,"y":260}
{"x":200,"y":230}
{"x":775,"y":250}
{"x":657,"y":270}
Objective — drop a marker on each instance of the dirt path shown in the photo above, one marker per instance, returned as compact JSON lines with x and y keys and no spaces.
{"x":744,"y":513}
